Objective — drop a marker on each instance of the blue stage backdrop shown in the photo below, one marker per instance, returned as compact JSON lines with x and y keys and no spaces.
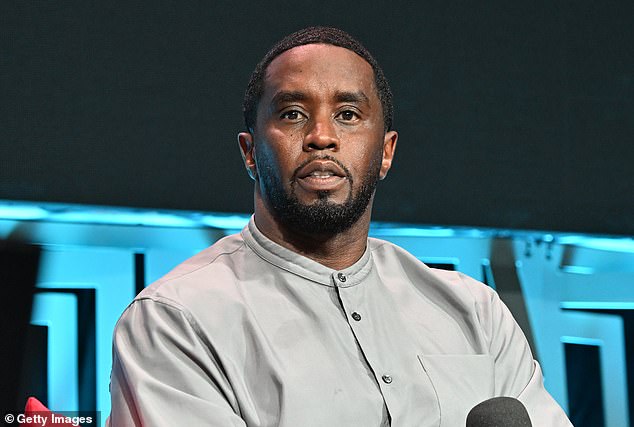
{"x":571,"y":294}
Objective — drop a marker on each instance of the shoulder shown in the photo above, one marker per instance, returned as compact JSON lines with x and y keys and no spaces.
{"x":217,"y":256}
{"x":393,"y":261}
{"x":207,"y":295}
{"x":207,"y":278}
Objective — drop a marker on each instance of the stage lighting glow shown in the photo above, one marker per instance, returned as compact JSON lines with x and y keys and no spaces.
{"x":411,"y":231}
{"x":225,"y":222}
{"x":152,"y":219}
{"x":21,"y":212}
{"x":597,"y":305}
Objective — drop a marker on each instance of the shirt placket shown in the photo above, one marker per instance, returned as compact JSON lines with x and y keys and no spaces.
{"x":360,"y":319}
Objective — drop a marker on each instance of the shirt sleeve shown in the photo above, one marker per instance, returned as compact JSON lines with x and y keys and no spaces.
{"x":517,"y":374}
{"x":164,"y":374}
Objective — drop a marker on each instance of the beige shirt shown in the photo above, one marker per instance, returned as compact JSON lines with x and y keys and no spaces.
{"x":248,"y":333}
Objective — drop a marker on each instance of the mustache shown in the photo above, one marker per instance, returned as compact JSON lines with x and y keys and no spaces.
{"x":324,"y":157}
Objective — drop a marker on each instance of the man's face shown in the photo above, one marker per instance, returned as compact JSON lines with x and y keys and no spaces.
{"x":319,"y":146}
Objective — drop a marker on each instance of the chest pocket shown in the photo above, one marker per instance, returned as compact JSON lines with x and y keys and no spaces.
{"x":460,"y":382}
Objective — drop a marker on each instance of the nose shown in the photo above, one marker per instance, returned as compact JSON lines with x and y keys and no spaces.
{"x":321,"y":136}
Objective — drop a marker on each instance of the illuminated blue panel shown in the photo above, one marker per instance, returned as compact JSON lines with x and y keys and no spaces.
{"x":600,"y":243}
{"x":467,"y":254}
{"x":440,"y":260}
{"x":21,"y":211}
{"x":606,"y":332}
{"x":226,"y":222}
{"x":545,"y":286}
{"x":111,"y":273}
{"x":597,"y":305}
{"x":159,"y":262}
{"x":577,"y":269}
{"x":610,"y":289}
{"x":58,"y":312}
{"x":125,"y":217}
{"x":582,"y":341}
{"x":414,"y":231}
{"x":7,"y":227}
{"x":67,"y":213}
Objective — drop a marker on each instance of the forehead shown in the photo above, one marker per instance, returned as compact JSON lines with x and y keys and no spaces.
{"x":319,"y":67}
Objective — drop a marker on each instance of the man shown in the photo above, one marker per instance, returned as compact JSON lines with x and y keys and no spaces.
{"x":301,"y":320}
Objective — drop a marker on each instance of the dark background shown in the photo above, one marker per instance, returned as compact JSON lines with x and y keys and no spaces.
{"x":511,"y":114}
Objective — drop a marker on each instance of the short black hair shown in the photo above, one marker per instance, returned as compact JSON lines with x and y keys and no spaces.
{"x":315,"y":35}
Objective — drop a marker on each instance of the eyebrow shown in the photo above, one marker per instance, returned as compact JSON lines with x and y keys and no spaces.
{"x":284,"y":96}
{"x":288,"y":96}
{"x":354,"y":97}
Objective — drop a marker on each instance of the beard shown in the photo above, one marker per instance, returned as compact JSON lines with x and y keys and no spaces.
{"x":323,"y":216}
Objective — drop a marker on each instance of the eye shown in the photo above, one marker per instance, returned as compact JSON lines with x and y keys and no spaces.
{"x":292,"y":115}
{"x":348,"y":115}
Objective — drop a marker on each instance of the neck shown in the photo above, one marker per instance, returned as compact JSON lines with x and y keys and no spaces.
{"x":336,"y":251}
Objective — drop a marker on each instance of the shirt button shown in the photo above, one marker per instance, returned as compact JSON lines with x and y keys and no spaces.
{"x":342,"y":277}
{"x":387,"y":379}
{"x":356,"y":316}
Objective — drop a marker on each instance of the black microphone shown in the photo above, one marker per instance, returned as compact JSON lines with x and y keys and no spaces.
{"x":499,"y":412}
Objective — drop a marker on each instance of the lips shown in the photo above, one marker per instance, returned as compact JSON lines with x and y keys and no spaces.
{"x":321,"y":175}
{"x":321,"y":169}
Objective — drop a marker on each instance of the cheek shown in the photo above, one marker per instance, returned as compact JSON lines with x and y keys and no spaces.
{"x":369,"y":158}
{"x":277,"y":156}
{"x":267,"y":161}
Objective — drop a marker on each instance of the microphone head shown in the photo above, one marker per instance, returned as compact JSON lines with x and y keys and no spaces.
{"x":499,"y":412}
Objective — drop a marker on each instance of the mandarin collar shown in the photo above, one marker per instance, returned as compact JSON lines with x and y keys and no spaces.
{"x":305,"y":267}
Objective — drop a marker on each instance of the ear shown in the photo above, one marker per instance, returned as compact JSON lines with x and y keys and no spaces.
{"x":245,"y":139}
{"x":389,"y":147}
